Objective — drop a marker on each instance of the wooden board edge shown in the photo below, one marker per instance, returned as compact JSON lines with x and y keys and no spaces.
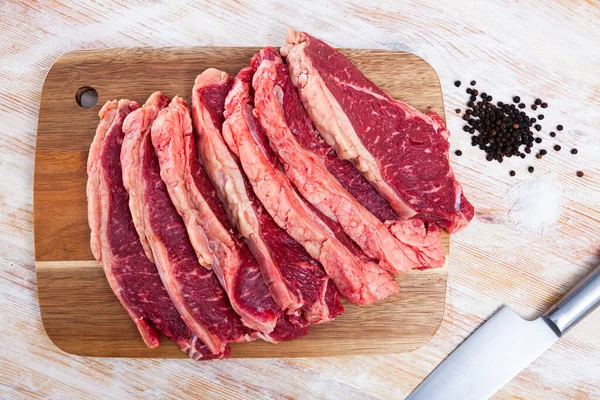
{"x":82,"y":54}
{"x":363,"y":349}
{"x":439,"y":84}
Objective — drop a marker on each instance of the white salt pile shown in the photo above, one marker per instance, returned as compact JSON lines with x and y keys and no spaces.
{"x":537,"y":204}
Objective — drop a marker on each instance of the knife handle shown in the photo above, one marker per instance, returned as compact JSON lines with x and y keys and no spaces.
{"x":576,"y":304}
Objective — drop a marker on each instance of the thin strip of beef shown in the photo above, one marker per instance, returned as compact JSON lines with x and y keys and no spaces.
{"x":208,"y":103}
{"x":358,"y":280}
{"x":290,"y":131}
{"x":194,"y":290}
{"x":169,"y":133}
{"x":116,"y":245}
{"x":135,"y":214}
{"x":296,"y":281}
{"x":401,"y":151}
{"x":192,"y":193}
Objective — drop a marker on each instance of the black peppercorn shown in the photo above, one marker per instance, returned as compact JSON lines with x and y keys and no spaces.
{"x":538,"y":102}
{"x":533,"y":107}
{"x":473,"y":83}
{"x":530,"y":169}
{"x":512,"y":173}
{"x":580,"y":174}
{"x":552,"y":134}
{"x":544,"y":105}
{"x":559,"y":127}
{"x":458,"y":153}
{"x":543,"y":152}
{"x":457,"y":83}
{"x":557,"y":147}
{"x":501,"y":130}
{"x":574,"y":151}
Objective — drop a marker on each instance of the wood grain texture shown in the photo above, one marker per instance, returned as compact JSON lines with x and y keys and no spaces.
{"x":80,"y":313}
{"x":82,"y":316}
{"x":536,"y":48}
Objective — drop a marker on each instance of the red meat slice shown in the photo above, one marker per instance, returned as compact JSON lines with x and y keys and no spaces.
{"x":296,"y":281}
{"x":358,"y":279}
{"x":194,"y":290}
{"x":193,"y":195}
{"x":401,"y":151}
{"x":308,"y":161}
{"x":116,"y":245}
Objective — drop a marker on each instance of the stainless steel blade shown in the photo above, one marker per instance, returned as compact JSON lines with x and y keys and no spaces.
{"x":488,"y":359}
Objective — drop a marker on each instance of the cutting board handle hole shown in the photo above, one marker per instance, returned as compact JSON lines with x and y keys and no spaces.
{"x":86,"y":97}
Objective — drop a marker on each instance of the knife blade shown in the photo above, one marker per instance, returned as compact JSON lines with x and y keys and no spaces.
{"x":505,"y":345}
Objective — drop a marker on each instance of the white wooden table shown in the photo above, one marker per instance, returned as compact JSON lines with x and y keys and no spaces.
{"x":535,"y":49}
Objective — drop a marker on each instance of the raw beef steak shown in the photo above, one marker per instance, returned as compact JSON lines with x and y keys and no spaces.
{"x":358,"y":279}
{"x":194,"y":290}
{"x":305,"y":160}
{"x":401,"y":151}
{"x":116,"y":245}
{"x":296,"y":281}
{"x":192,"y":192}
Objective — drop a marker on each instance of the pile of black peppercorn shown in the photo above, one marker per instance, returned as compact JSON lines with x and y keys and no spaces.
{"x":504,"y":130}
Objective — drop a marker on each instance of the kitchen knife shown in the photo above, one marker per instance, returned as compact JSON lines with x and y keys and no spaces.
{"x":505,"y":345}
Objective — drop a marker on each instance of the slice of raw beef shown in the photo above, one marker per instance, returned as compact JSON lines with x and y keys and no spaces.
{"x":136,"y":210}
{"x":172,"y":153}
{"x":306,"y":162}
{"x":194,"y":290}
{"x":191,"y":192}
{"x":116,"y":245}
{"x":359,"y":280}
{"x":296,"y":281}
{"x":401,"y":151}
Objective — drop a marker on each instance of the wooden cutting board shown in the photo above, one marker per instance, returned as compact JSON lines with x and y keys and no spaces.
{"x":81,"y":314}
